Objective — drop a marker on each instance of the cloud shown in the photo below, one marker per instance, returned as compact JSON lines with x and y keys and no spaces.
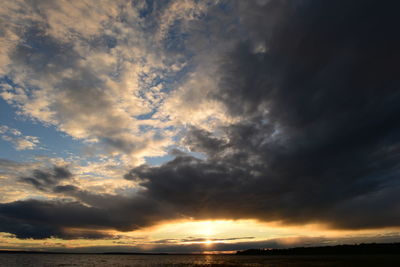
{"x":9,"y":170}
{"x":316,"y":138}
{"x":12,"y":167}
{"x":199,"y":240}
{"x":42,"y":180}
{"x":72,"y":207}
{"x":39,"y":220}
{"x":97,"y":79}
{"x":19,"y":141}
{"x":56,"y":218}
{"x":300,"y":122}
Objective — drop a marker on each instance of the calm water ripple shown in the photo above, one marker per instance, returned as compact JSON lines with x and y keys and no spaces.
{"x":85,"y":260}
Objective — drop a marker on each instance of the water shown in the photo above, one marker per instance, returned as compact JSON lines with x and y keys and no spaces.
{"x":85,"y":260}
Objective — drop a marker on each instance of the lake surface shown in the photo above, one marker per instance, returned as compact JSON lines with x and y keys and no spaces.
{"x":85,"y":260}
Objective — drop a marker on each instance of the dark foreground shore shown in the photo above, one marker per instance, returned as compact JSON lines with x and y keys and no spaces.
{"x":359,"y":249}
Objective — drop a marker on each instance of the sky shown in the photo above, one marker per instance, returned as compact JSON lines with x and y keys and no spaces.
{"x":198,"y":125}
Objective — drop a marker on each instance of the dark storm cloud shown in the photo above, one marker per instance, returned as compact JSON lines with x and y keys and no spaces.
{"x":40,"y":219}
{"x":65,"y":188}
{"x":46,"y":179}
{"x":202,"y":141}
{"x":318,"y":133}
{"x":82,"y":209}
{"x":43,"y":219}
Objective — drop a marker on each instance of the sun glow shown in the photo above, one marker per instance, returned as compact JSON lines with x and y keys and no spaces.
{"x":208,"y":243}
{"x":208,"y":234}
{"x":207,"y":228}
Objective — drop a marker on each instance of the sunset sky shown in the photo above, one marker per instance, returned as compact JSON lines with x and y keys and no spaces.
{"x":198,"y":126}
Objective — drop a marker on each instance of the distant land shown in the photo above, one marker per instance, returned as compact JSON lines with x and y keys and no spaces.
{"x":359,"y":249}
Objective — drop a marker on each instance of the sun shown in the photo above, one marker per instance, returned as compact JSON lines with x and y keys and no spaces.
{"x":208,"y":243}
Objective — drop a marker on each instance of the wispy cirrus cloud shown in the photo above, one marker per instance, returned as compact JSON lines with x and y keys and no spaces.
{"x":97,"y":80}
{"x":20,"y":141}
